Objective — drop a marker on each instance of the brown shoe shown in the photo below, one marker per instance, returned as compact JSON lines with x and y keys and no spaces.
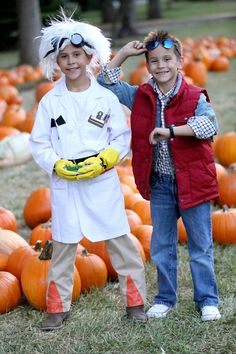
{"x":54,"y":320}
{"x":137,"y":313}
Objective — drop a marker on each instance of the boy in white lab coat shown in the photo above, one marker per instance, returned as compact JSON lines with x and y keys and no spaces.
{"x":79,"y":135}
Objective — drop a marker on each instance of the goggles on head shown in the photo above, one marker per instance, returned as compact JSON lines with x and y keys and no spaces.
{"x":166,"y":43}
{"x":76,"y":40}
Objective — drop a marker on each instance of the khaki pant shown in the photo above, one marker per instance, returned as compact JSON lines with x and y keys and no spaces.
{"x":125,"y":259}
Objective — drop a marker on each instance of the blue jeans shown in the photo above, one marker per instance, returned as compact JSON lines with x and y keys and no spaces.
{"x":197,"y":220}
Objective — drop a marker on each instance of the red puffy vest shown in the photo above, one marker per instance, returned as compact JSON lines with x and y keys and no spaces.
{"x":193,"y":158}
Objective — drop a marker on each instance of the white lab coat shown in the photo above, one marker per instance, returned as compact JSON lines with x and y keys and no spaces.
{"x":92,"y":208}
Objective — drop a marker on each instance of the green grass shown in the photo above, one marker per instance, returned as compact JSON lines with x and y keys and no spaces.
{"x":99,"y":325}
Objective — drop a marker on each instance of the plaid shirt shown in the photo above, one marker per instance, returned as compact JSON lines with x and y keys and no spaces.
{"x":203,"y":124}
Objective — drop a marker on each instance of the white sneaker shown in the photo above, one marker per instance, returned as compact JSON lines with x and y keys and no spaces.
{"x":158,"y":311}
{"x":210,"y":313}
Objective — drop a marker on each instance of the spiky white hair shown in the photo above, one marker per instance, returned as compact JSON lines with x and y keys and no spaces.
{"x":65,"y":27}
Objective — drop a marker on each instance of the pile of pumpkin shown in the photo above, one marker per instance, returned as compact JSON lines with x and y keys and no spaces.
{"x":200,"y":56}
{"x":24,"y":265}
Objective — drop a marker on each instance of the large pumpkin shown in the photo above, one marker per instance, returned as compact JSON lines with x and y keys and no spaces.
{"x":10,"y":291}
{"x":92,"y":270}
{"x":227,"y":187}
{"x":142,"y":208}
{"x":224,"y":225}
{"x":99,"y":248}
{"x":144,"y":235}
{"x":225,"y":148}
{"x":37,"y":208}
{"x":34,"y":279}
{"x":13,"y":116}
{"x":197,"y":71}
{"x":17,"y":259}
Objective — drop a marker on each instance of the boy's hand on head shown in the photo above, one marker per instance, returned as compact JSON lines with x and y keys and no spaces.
{"x":134,"y":48}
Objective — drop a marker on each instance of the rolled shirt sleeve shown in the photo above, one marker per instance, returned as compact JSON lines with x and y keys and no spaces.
{"x":204,"y":123}
{"x":111,"y":76}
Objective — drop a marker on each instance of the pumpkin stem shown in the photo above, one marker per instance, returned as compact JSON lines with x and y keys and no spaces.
{"x":225,"y":208}
{"x":47,"y":251}
{"x":85,"y":252}
{"x":38,"y":246}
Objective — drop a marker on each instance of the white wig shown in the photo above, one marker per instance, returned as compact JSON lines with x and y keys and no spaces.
{"x":63,"y":28}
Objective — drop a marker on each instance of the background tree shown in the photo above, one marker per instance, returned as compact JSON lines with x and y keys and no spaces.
{"x":126,"y":15}
{"x":108,"y":11}
{"x":29,"y":24}
{"x":154,"y":9}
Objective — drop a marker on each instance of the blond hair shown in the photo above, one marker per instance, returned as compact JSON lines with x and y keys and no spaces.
{"x":161,"y":36}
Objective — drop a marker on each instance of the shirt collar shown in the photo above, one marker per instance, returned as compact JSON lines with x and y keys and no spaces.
{"x":171,"y":92}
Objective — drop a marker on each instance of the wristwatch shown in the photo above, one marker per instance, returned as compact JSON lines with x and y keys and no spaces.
{"x":171,"y":129}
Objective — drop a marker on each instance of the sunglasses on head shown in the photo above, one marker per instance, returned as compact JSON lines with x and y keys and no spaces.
{"x":166,"y":43}
{"x":76,"y":40}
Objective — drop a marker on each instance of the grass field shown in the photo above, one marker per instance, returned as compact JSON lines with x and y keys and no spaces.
{"x":98,"y":324}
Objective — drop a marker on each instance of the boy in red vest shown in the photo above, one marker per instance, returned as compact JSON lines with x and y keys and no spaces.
{"x":172,"y":125}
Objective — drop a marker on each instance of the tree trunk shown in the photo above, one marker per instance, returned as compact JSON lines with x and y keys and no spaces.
{"x":154,"y":9}
{"x":29,"y":19}
{"x":127,"y":10}
{"x":107,"y":11}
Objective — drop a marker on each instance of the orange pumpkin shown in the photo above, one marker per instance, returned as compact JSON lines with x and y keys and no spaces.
{"x":41,"y":232}
{"x":225,"y":149}
{"x":9,"y":241}
{"x":129,"y":180}
{"x":92,"y":270}
{"x":34,"y":279}
{"x":197,"y":71}
{"x":17,"y":258}
{"x":142,"y":208}
{"x":220,"y":64}
{"x":133,"y":219}
{"x":3,"y":261}
{"x":224,"y":225}
{"x":99,"y":248}
{"x":131,"y":199}
{"x":227,"y":187}
{"x":10,"y":94}
{"x":42,"y":88}
{"x":144,"y":235}
{"x":10,"y":290}
{"x":8,"y":220}
{"x":13,"y":116}
{"x":220,"y":171}
{"x":139,"y":247}
{"x":140,"y":74}
{"x":126,"y":190}
{"x":28,"y":123}
{"x":37,"y":208}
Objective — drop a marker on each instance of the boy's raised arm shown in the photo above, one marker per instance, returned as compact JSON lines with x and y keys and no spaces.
{"x":130,"y":49}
